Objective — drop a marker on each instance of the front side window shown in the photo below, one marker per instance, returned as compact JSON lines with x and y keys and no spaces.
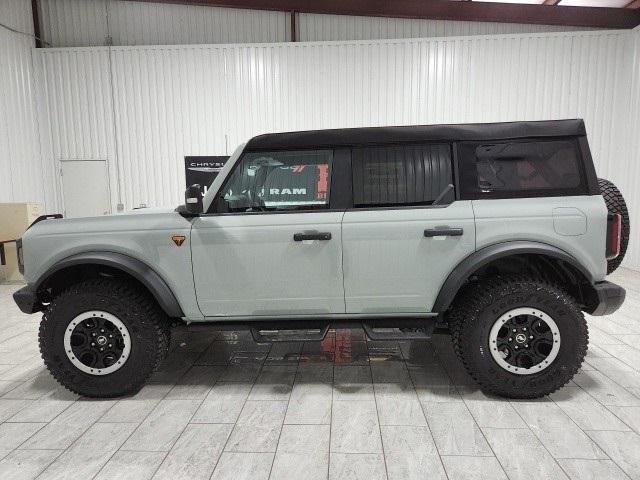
{"x":402,"y":175}
{"x":279,"y":181}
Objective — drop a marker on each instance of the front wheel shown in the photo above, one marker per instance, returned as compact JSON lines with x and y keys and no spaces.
{"x":519,"y":337}
{"x":103,"y":337}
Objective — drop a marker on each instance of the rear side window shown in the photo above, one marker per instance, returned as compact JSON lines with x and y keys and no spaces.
{"x":401,"y":175}
{"x":521,"y":169}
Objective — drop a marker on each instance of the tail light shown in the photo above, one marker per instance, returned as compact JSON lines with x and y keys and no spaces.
{"x":614,"y":233}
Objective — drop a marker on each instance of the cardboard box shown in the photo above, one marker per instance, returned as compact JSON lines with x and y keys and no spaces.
{"x":10,"y":273}
{"x":15,"y":218}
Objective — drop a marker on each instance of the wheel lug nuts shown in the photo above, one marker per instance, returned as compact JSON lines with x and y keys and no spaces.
{"x":93,"y":344}
{"x":514,"y":330}
{"x":93,"y":334}
{"x":110,"y":345}
{"x":516,"y":347}
{"x":510,"y":339}
{"x":101,"y":349}
{"x":531,"y":337}
{"x":526,"y":345}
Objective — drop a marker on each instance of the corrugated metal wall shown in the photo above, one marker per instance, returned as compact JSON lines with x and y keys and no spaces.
{"x":626,"y":168}
{"x":70,"y":23}
{"x":169,"y":102}
{"x":75,"y":99}
{"x":314,"y":27}
{"x":20,"y":166}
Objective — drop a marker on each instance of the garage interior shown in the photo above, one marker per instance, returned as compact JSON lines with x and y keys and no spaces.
{"x":102,"y":100}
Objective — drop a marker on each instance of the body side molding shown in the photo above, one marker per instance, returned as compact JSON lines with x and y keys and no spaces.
{"x":486,"y":255}
{"x":132,"y":266}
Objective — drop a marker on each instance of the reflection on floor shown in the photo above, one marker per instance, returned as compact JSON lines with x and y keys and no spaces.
{"x":224,"y":407}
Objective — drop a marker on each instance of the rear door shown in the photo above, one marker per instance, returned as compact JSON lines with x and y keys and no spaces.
{"x":273,"y":245}
{"x":399,"y":246}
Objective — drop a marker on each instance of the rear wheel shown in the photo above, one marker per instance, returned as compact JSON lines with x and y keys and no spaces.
{"x":519,"y":337}
{"x":616,"y":204}
{"x":103,"y":337}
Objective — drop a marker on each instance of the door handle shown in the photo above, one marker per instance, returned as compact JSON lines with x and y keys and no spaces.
{"x":301,"y":237}
{"x":443,"y":232}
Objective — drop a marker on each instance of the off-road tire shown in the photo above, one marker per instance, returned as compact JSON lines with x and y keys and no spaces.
{"x":481,"y":304}
{"x":147,"y":324}
{"x":616,"y":204}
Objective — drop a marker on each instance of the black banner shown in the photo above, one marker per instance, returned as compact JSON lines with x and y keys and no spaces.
{"x":203,"y":169}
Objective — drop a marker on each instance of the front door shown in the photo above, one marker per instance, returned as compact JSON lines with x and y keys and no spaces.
{"x":271,"y":245}
{"x":406,"y":232}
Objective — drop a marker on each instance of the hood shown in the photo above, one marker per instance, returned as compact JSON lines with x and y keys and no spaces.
{"x":147,"y":211}
{"x":135,"y":220}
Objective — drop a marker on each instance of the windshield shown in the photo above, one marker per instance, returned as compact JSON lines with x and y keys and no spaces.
{"x":215,"y":185}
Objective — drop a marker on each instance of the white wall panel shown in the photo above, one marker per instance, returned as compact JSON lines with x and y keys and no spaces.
{"x":203,"y":100}
{"x":316,"y":27}
{"x":76,"y":98}
{"x":17,"y":15}
{"x":169,"y":102}
{"x":72,"y":23}
{"x":625,"y":168}
{"x":21,"y":178}
{"x":136,"y":23}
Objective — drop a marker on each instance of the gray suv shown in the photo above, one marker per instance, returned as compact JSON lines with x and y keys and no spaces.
{"x":500,"y":233}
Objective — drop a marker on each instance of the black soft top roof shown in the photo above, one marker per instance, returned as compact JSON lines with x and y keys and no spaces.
{"x":342,"y":137}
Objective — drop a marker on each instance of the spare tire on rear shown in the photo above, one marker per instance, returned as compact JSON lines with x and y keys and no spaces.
{"x":616,"y":204}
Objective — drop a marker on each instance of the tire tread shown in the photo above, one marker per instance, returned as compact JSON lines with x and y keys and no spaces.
{"x":478,"y":296}
{"x":616,"y":204}
{"x":154,"y":319}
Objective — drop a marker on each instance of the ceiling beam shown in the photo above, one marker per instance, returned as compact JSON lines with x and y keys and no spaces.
{"x":551,"y":2}
{"x":633,"y":4}
{"x":442,"y":10}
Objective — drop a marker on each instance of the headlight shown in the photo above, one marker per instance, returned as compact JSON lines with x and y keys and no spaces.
{"x":20,"y":256}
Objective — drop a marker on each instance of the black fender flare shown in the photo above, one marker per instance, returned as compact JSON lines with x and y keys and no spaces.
{"x":132,"y":266}
{"x":486,"y":255}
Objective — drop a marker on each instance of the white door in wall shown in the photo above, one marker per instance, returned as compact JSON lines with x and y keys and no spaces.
{"x":85,"y":188}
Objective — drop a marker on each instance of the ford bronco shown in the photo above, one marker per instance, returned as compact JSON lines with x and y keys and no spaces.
{"x":500,"y":233}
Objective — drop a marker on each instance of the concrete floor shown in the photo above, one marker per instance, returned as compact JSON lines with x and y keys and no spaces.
{"x":224,"y":407}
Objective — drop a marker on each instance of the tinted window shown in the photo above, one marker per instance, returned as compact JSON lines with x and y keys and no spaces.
{"x":524,"y":168}
{"x":296,"y":180}
{"x":401,"y":175}
{"x":527,"y":166}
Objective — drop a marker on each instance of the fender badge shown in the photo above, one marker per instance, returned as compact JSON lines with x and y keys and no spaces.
{"x":178,"y":239}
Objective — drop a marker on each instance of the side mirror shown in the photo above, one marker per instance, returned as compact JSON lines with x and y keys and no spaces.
{"x":193,"y":199}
